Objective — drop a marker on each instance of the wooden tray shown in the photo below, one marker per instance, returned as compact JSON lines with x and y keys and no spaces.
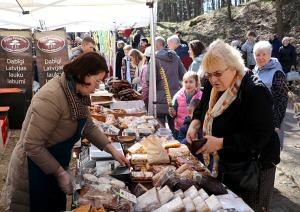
{"x":117,"y":115}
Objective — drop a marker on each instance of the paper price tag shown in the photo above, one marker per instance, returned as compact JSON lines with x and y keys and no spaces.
{"x":114,"y":129}
{"x":128,"y":196}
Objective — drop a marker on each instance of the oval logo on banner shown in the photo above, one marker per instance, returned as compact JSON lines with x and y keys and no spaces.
{"x":15,"y":43}
{"x":51,"y":44}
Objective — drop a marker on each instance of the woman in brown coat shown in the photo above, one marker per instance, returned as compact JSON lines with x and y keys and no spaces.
{"x":56,"y":119}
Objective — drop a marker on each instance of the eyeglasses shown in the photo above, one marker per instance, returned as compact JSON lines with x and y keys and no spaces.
{"x":97,"y":82}
{"x":217,"y":74}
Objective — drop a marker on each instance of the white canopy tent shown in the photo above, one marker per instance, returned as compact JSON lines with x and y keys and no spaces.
{"x":81,"y":16}
{"x":74,"y":15}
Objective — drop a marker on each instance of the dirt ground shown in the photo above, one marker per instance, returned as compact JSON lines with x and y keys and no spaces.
{"x":286,"y":195}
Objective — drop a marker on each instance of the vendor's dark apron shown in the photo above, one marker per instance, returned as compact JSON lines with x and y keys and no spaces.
{"x":45,"y":194}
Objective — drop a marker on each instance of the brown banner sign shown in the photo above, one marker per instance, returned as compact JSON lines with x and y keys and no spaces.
{"x":15,"y":59}
{"x":51,"y":53}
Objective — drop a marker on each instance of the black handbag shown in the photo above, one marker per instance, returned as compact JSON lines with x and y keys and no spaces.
{"x":246,"y":173}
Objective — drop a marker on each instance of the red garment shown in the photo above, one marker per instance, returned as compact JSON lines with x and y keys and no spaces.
{"x":187,"y":61}
{"x":127,"y":32}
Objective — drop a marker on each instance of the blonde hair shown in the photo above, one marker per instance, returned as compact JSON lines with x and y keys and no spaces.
{"x":193,"y":75}
{"x":136,"y":55}
{"x":220,"y":54}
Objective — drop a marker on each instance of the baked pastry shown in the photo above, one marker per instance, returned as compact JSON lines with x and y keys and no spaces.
{"x":139,"y":159}
{"x":187,"y":174}
{"x":201,"y":204}
{"x":182,"y":168}
{"x":189,"y":204}
{"x":193,"y":162}
{"x":165,"y":195}
{"x":141,"y":176}
{"x":157,"y":168}
{"x":174,"y":205}
{"x":110,"y":119}
{"x":171,"y":144}
{"x":192,"y":192}
{"x":137,"y":148}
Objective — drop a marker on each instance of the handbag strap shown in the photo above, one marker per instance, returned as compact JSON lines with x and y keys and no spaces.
{"x":291,"y":97}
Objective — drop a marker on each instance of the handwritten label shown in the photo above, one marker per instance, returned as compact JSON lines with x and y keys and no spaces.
{"x":114,"y":129}
{"x":128,"y":196}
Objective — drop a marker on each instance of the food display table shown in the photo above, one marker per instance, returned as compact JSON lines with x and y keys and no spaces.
{"x":164,"y":175}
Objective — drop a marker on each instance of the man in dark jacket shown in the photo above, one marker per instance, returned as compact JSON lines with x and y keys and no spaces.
{"x":276,"y":44}
{"x":119,"y":56}
{"x":167,"y":61}
{"x":181,"y":50}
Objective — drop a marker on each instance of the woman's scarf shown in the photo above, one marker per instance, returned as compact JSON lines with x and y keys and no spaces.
{"x":76,"y":102}
{"x":216,"y":108}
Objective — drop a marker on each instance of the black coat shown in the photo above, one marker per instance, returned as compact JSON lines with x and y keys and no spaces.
{"x":119,"y":57}
{"x":287,"y":57}
{"x":276,"y":44}
{"x":246,"y":125}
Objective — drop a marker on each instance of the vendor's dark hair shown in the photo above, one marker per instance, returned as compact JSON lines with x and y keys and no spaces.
{"x":90,"y":63}
{"x":197,"y":47}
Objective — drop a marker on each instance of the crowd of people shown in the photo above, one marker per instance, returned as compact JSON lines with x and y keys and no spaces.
{"x":233,"y":95}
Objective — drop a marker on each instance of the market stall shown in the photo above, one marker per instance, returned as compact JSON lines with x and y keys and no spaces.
{"x":164,"y":175}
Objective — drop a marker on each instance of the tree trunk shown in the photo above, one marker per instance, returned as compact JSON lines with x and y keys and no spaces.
{"x":229,"y":10}
{"x":279,"y":18}
{"x":184,"y":17}
{"x":213,"y":5}
{"x":196,"y":9}
{"x":180,"y":10}
{"x":223,"y":4}
{"x":175,"y":12}
{"x":201,"y":7}
{"x":169,"y":11}
{"x":188,"y":8}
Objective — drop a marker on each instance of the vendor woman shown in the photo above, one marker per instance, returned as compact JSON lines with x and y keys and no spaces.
{"x":38,"y":177}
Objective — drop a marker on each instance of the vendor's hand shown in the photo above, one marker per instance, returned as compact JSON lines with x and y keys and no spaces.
{"x":277,"y":129}
{"x":193,"y":130}
{"x":213,"y":144}
{"x":172,"y":112}
{"x":121,"y":158}
{"x":64,"y":181}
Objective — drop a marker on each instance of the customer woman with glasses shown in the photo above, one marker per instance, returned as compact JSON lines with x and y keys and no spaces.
{"x":235,"y":116}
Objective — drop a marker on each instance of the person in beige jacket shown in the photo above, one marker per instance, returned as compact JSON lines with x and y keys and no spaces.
{"x":58,"y":116}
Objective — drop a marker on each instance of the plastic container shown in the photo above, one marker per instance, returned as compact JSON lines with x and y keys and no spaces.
{"x":144,"y":132}
{"x":129,"y":131}
{"x":164,"y":132}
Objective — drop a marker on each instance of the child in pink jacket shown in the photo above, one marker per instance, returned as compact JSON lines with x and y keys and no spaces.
{"x":181,"y":100}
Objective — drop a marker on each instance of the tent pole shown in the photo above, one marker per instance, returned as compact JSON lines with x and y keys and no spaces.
{"x":114,"y":54}
{"x":152,"y":83}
